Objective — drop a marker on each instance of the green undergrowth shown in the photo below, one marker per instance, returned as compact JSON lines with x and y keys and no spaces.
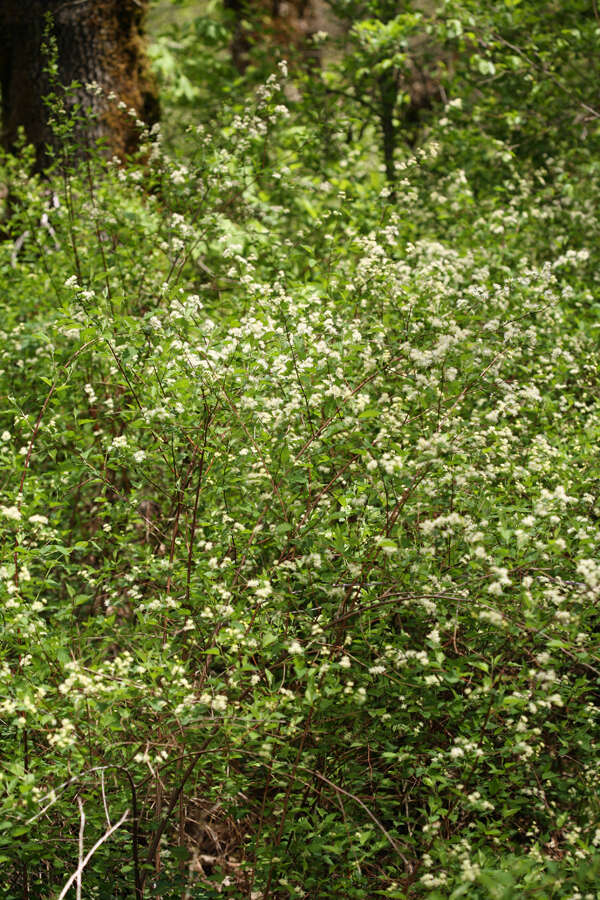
{"x":299,"y":517}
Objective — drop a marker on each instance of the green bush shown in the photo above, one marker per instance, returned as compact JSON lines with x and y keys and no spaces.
{"x":299,"y":513}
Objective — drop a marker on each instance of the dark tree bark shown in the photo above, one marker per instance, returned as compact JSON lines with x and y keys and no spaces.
{"x":240,"y":45}
{"x":286,"y":24}
{"x":98,"y":41}
{"x":388,"y":94}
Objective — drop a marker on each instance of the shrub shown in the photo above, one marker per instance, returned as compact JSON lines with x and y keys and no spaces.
{"x":299,"y":512}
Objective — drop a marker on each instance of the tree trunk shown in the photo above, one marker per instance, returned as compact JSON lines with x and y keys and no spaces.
{"x":240,"y":44}
{"x":98,"y":42}
{"x":286,"y":24}
{"x":388,"y":94}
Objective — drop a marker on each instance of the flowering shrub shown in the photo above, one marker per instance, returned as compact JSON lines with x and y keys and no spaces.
{"x":299,"y":515}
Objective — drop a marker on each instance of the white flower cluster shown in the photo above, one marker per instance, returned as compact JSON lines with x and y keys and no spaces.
{"x":11,"y":512}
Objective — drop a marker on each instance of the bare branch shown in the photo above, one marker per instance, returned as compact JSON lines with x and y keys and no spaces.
{"x":81,"y":833}
{"x":83,"y":862}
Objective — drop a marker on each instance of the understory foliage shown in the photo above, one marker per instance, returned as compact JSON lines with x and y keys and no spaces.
{"x":299,"y":514}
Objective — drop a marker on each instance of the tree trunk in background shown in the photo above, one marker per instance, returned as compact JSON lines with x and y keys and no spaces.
{"x":239,"y":41}
{"x":98,"y":41}
{"x":388,"y":95}
{"x":287,"y":24}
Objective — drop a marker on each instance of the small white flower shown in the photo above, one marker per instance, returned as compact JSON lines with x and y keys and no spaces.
{"x":360,"y":695}
{"x":219,"y":703}
{"x":10,"y":512}
{"x":38,"y":520}
{"x":265,"y":591}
